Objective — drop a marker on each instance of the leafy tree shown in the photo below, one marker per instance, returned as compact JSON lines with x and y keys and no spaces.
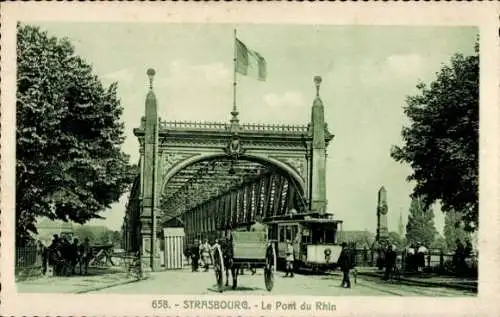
{"x":396,"y":239}
{"x":102,"y":235}
{"x":441,"y":143}
{"x":69,"y":163}
{"x":83,"y":232}
{"x":116,"y":238}
{"x":454,"y":229}
{"x":98,"y":234}
{"x":420,"y":227}
{"x":360,"y":238}
{"x":439,"y":243}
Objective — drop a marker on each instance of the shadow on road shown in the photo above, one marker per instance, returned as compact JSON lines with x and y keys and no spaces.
{"x":226,"y":289}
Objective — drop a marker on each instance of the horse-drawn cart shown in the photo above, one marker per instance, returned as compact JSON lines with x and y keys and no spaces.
{"x":244,"y":249}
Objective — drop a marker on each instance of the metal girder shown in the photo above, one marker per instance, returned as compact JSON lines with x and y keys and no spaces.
{"x":237,"y":207}
{"x":205,"y":180}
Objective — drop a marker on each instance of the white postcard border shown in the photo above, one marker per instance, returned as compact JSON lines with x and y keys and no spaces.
{"x":393,"y":13}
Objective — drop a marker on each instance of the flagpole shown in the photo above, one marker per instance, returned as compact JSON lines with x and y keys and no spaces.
{"x":234,"y":113}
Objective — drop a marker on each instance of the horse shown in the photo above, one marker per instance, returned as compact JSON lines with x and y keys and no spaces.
{"x":84,"y":256}
{"x":226,"y":247}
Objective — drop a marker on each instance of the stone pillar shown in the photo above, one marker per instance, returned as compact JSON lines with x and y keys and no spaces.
{"x":318,"y":157}
{"x":149,"y":210}
{"x":382,"y":231}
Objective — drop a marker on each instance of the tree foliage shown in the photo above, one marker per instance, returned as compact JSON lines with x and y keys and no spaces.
{"x":454,"y":230}
{"x":439,"y":243}
{"x":420,"y":227}
{"x":98,"y":235}
{"x":441,"y":142}
{"x":360,"y":238}
{"x":69,"y":163}
{"x":396,"y":239}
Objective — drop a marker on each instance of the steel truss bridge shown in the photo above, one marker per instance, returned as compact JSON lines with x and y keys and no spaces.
{"x":209,"y":177}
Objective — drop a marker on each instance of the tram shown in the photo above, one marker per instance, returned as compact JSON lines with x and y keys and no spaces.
{"x":313,"y":236}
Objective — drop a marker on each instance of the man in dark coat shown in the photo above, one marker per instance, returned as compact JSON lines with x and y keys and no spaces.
{"x":390,"y":262}
{"x":85,"y":251}
{"x":55,"y":254}
{"x":459,"y":257}
{"x":195,"y":255}
{"x":44,"y":253}
{"x":345,"y":265}
{"x":74,"y":255}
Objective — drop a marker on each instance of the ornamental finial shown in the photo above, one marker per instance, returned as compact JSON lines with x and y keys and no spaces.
{"x":317,"y":82}
{"x":151,"y":74}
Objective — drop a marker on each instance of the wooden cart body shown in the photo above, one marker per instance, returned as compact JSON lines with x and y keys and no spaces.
{"x":246,"y":248}
{"x":249,"y":247}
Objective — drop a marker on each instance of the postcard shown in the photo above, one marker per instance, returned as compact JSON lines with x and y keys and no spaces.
{"x":250,"y":159}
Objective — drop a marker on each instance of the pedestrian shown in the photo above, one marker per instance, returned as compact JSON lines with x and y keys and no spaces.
{"x":195,"y":256}
{"x":289,"y":258}
{"x":467,"y":249}
{"x":74,"y":255}
{"x":398,"y":268}
{"x":43,"y":252}
{"x":85,"y":255}
{"x":459,"y":257}
{"x":344,"y":263}
{"x":421,"y":251}
{"x":215,"y":245}
{"x":65,"y":248}
{"x":381,"y":257}
{"x":54,"y":255}
{"x":258,"y":225}
{"x":390,"y":262}
{"x":205,"y":254}
{"x":187,"y":254}
{"x":410,"y":259}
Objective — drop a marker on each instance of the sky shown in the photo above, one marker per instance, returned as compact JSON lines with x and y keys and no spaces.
{"x":367,"y":72}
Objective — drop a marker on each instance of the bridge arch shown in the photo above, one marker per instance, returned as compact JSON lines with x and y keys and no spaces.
{"x":262,"y":159}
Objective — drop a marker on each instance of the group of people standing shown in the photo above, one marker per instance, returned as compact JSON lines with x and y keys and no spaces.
{"x":410,"y":259}
{"x":415,"y":257}
{"x":199,"y":252}
{"x":64,"y":256}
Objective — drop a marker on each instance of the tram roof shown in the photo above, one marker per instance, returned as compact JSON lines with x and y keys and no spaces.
{"x":312,"y":217}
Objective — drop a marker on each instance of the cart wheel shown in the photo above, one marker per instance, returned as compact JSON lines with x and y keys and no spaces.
{"x":219,"y":268}
{"x":270,"y":267}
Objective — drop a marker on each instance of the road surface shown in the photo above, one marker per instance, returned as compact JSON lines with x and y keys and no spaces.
{"x":186,"y":282}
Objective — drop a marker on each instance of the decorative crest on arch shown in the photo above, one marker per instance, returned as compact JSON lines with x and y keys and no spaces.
{"x":234,"y":147}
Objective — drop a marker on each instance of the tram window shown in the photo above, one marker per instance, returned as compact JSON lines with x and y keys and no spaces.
{"x":317,"y":236}
{"x":273,"y":232}
{"x":282,"y":234}
{"x":289,"y":233}
{"x":329,"y":236}
{"x":306,"y":235}
{"x":294,"y":233}
{"x":324,"y":235}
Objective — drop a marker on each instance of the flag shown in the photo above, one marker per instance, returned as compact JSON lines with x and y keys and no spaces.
{"x":249,"y":63}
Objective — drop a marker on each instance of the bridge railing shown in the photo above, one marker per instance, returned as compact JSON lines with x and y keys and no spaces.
{"x":193,"y":125}
{"x":218,"y":126}
{"x":280,"y":128}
